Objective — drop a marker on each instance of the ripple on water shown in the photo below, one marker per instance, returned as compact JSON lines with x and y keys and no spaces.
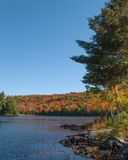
{"x":35,"y":138}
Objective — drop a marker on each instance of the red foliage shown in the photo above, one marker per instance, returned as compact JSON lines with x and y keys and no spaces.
{"x":60,"y":103}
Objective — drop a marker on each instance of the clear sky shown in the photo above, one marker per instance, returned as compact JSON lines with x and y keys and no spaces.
{"x":37,"y":39}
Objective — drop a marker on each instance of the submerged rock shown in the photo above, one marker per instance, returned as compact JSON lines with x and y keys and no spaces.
{"x":75,"y":127}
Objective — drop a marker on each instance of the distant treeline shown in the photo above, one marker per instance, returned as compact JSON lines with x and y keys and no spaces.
{"x":57,"y":104}
{"x":8,"y":104}
{"x":94,"y":102}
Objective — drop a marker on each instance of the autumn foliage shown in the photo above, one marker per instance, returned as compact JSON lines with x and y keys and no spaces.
{"x":62,"y":104}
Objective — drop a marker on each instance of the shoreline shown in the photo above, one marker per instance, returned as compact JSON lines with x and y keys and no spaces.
{"x":95,"y":144}
{"x":49,"y":115}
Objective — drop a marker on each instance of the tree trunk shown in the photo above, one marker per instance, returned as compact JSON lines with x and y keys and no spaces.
{"x":116,"y":102}
{"x":110,"y":106}
{"x":111,"y":110}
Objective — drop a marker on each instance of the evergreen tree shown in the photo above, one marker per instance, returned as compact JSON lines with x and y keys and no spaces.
{"x":2,"y":102}
{"x":11,"y":106}
{"x":106,"y":58}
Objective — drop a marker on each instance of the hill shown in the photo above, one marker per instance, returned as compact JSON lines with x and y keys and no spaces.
{"x":61,"y":104}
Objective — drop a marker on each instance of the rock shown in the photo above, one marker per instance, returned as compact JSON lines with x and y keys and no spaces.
{"x":86,"y":145}
{"x":119,"y":157}
{"x":111,"y":143}
{"x":125,"y":150}
{"x":74,"y":127}
{"x":120,"y":140}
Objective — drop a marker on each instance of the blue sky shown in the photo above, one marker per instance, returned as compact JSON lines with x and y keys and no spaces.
{"x":37,"y":39}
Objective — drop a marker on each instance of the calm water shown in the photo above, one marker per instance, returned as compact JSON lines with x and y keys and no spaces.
{"x":36,"y":138}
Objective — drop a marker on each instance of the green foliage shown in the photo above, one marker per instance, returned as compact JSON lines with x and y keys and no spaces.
{"x":121,"y":129}
{"x":109,"y":121}
{"x":8,"y":105}
{"x":126,"y":109}
{"x":2,"y":102}
{"x":124,"y":114}
{"x":11,"y":106}
{"x":106,"y":58}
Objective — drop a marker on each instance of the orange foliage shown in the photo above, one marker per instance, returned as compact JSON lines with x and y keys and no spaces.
{"x":61,"y":103}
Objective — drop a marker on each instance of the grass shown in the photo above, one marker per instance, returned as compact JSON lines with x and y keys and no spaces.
{"x":119,"y":127}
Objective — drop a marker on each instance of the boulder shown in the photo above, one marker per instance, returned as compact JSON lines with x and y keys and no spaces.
{"x":125,"y":150}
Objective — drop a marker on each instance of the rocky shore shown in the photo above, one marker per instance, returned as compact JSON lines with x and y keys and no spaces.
{"x":90,"y":145}
{"x":75,"y":127}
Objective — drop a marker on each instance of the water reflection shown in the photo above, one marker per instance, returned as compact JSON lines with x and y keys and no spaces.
{"x":35,"y":138}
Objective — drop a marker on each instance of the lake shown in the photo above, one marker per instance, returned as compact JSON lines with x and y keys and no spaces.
{"x":36,"y":137}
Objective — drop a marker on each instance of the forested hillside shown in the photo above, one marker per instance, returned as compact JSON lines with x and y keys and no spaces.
{"x":93,"y":102}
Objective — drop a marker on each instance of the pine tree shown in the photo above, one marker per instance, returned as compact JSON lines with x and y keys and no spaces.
{"x":106,"y":57}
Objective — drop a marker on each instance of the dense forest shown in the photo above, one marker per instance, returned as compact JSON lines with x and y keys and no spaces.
{"x":93,"y":102}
